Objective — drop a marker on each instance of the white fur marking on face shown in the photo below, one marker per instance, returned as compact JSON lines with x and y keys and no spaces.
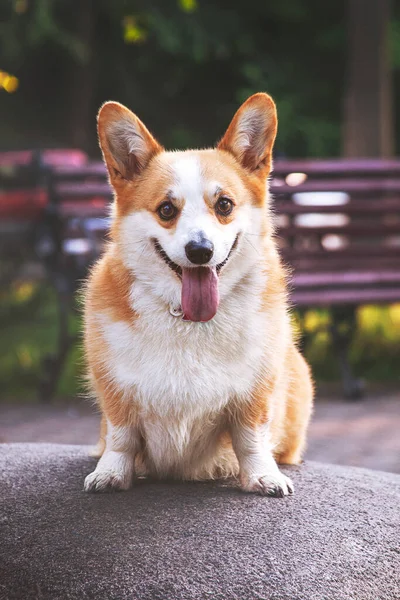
{"x":189,"y":183}
{"x":196,"y":219}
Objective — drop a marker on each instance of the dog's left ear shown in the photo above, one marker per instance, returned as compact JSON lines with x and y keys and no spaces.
{"x":250,"y":136}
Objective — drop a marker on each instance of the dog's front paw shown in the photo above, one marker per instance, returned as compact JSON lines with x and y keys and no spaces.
{"x":271,"y":484}
{"x":106,"y":481}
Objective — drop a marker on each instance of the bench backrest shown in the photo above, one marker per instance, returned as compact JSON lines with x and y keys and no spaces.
{"x":338,"y":214}
{"x":338,"y":221}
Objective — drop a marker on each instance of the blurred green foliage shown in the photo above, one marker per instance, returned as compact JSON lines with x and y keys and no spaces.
{"x":28,"y":322}
{"x":182,"y":65}
{"x":28,"y":325}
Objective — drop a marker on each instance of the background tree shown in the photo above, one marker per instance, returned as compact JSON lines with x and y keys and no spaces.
{"x":182,"y":65}
{"x":368,"y":107}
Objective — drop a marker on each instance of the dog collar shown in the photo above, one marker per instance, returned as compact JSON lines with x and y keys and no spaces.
{"x":176,"y":311}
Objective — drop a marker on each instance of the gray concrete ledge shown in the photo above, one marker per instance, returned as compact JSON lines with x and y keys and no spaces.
{"x":337,"y":538}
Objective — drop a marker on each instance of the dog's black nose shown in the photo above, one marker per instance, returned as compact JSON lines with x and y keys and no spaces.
{"x":199,"y":252}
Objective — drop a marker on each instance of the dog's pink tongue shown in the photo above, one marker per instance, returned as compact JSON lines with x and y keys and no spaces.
{"x":200,"y":297}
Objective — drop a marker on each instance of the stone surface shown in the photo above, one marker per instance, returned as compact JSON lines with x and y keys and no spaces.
{"x":337,"y":538}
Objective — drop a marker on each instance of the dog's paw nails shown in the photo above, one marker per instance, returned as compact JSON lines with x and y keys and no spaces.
{"x":276,"y":485}
{"x":105,"y":481}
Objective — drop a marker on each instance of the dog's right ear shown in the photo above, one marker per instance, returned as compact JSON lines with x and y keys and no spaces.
{"x":126,"y":143}
{"x":250,"y":136}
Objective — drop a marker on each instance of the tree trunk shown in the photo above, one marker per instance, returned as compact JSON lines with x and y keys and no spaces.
{"x":81,"y":122}
{"x":368,"y":107}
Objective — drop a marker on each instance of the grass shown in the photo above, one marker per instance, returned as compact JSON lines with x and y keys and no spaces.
{"x":375,"y":349}
{"x":28,"y":322}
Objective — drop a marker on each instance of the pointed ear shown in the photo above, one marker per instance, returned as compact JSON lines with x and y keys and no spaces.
{"x":126,"y":143}
{"x":250,"y":136}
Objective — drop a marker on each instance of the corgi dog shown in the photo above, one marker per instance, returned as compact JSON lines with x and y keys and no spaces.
{"x":188,"y":338}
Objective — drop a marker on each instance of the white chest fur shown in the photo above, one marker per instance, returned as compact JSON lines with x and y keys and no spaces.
{"x":181,"y":368}
{"x":182,"y":374}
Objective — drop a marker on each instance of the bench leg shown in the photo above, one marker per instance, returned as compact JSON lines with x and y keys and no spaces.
{"x":53,"y":364}
{"x":342,"y":328}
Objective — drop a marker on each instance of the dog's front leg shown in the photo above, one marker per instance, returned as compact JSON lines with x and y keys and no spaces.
{"x":115,"y":469}
{"x":258,"y":470}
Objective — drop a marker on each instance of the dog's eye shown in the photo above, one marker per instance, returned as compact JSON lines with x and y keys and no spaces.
{"x":167,"y":211}
{"x":224,"y":206}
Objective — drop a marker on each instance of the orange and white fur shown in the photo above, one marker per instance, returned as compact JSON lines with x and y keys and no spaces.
{"x":187,"y":333}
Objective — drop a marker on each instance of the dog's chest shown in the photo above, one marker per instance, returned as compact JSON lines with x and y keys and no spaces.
{"x":174,"y":366}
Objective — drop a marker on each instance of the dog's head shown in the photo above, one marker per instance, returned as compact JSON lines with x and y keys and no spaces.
{"x":189,"y":224}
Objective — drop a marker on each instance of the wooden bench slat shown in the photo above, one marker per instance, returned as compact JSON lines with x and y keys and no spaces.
{"x":355,"y":168}
{"x":82,"y":190}
{"x":346,"y":296}
{"x":359,"y":230}
{"x":356,"y":207}
{"x":365,"y":264}
{"x":92,"y":169}
{"x":365,"y":187}
{"x":358,"y":166}
{"x":353,"y":278}
{"x":23,"y":204}
{"x":82,"y":209}
{"x":346,"y":253}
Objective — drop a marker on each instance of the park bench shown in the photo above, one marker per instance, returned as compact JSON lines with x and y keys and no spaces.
{"x":338,"y":226}
{"x":25,"y":210}
{"x":37,"y":237}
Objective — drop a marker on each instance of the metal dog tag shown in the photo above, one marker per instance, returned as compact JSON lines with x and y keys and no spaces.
{"x":175,"y":311}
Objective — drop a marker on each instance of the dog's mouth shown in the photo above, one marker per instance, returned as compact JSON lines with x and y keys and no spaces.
{"x":200,"y":295}
{"x":178,"y":270}
{"x":162,"y":254}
